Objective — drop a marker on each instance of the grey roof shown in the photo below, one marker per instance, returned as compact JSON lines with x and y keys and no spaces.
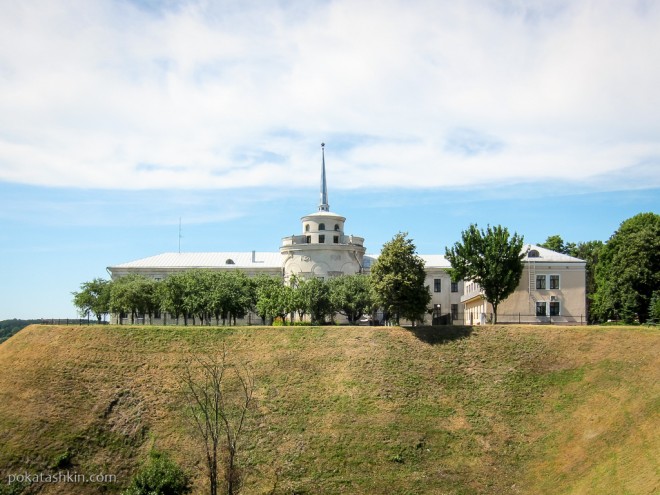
{"x":435,"y":261}
{"x":274,"y":259}
{"x":430,"y":260}
{"x":549,"y":255}
{"x":545,"y":255}
{"x":207,"y":260}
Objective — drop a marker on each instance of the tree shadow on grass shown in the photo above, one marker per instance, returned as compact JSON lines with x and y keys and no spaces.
{"x":441,"y":334}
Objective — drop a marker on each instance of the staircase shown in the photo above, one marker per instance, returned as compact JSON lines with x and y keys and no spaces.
{"x":532,"y":285}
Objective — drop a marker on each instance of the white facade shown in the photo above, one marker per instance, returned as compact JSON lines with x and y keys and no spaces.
{"x":323,"y":249}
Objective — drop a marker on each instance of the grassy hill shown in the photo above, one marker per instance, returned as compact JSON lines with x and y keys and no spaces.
{"x":356,"y":410}
{"x":11,"y":327}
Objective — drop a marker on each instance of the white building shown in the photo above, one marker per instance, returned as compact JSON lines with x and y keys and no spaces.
{"x":323,"y":249}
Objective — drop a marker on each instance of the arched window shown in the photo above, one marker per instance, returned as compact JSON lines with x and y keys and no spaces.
{"x":321,"y":226}
{"x":229,"y":262}
{"x":306,"y":227}
{"x":336,"y":227}
{"x":533,"y":254}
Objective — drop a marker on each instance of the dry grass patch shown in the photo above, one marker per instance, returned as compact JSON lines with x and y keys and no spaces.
{"x":349,"y":409}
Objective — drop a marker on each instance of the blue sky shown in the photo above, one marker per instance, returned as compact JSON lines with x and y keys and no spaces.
{"x":119,"y":117}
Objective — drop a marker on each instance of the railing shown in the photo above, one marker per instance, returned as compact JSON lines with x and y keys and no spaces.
{"x":343,"y":239}
{"x":521,"y":318}
{"x":72,"y":321}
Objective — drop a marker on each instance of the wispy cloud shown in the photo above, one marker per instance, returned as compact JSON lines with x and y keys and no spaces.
{"x":190,"y":94}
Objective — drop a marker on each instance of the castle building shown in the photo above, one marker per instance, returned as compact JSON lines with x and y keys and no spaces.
{"x":552,"y":287}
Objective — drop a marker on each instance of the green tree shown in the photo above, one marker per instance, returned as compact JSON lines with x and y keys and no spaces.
{"x":149,"y":297}
{"x":274,"y":299}
{"x":628,"y":270}
{"x":315,"y":296}
{"x":654,"y":308}
{"x":491,"y":258}
{"x":160,"y":476}
{"x":590,"y":252}
{"x":397,"y":280}
{"x":94,"y":297}
{"x":242,"y":295}
{"x":172,"y":295}
{"x":351,"y":296}
{"x":126,"y":296}
{"x":555,"y":243}
{"x":197,"y":295}
{"x":264,"y":285}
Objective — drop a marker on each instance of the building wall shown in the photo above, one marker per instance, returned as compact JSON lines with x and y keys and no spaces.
{"x":444,"y":298}
{"x":521,"y":305}
{"x":325,"y":263}
{"x":571,"y":294}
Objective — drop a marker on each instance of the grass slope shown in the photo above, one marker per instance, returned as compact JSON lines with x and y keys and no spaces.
{"x":359,"y":410}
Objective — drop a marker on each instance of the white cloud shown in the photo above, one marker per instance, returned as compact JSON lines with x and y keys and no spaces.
{"x":409,"y":94}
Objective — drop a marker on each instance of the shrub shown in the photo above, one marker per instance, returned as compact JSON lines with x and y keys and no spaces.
{"x":63,"y":461}
{"x":159,"y":476}
{"x":13,"y":489}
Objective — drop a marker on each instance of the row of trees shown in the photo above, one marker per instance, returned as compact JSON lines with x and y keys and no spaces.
{"x":623,"y":274}
{"x":207,"y":296}
{"x":396,"y":285}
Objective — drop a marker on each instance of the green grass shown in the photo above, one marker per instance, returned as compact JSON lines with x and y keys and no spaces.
{"x":359,"y":410}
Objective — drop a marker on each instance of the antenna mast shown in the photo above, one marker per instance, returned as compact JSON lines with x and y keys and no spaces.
{"x":180,"y":235}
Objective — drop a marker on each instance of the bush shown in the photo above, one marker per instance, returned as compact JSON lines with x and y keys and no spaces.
{"x":13,"y":489}
{"x":159,"y":476}
{"x":64,"y":460}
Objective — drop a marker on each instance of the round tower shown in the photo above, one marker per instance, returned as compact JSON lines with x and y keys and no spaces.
{"x":322,"y":250}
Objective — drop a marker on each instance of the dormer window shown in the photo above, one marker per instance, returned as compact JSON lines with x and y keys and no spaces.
{"x":229,"y":262}
{"x":336,"y":227}
{"x":321,"y":226}
{"x":533,"y":254}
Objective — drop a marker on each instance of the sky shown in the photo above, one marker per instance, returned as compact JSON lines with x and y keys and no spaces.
{"x":120,"y":119}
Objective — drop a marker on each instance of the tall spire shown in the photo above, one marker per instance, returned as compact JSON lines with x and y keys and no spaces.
{"x":323,"y":204}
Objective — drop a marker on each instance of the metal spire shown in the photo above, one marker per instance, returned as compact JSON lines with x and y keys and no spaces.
{"x":323,"y":205}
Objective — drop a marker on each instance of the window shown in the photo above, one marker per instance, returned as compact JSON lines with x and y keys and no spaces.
{"x":554,"y":308}
{"x":321,"y":226}
{"x":306,"y":227}
{"x":437,"y":285}
{"x":454,"y":311}
{"x":321,"y":239}
{"x":540,"y":282}
{"x":454,"y":286}
{"x":308,"y":239}
{"x":157,"y":314}
{"x":335,"y":239}
{"x":540,"y":309}
{"x":336,"y":227}
{"x":554,"y":281}
{"x":437,"y":310}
